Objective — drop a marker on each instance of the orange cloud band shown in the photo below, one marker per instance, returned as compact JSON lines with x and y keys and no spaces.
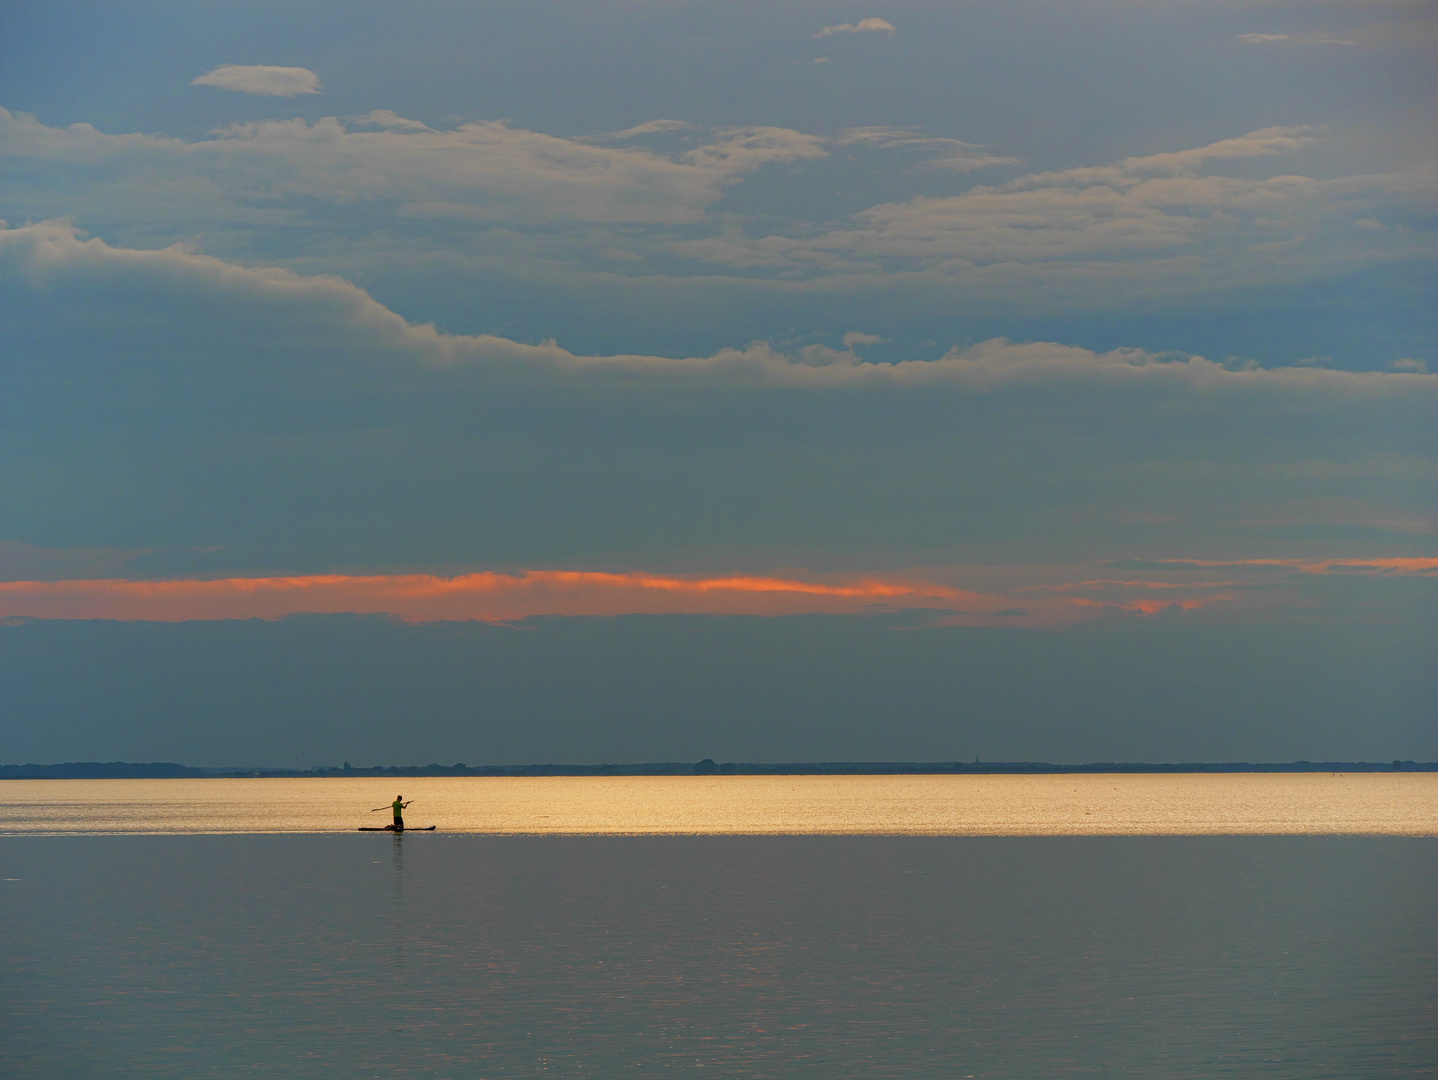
{"x":495,"y":597}
{"x":489,"y":597}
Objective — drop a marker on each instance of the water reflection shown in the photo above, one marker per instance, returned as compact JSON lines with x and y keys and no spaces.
{"x":397,"y":923}
{"x":1095,"y":804}
{"x":396,"y":857}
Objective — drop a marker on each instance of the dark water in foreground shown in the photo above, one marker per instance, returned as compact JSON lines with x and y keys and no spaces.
{"x":720,"y":956}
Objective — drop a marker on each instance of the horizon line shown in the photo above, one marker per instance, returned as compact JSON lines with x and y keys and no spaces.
{"x":158,"y":770}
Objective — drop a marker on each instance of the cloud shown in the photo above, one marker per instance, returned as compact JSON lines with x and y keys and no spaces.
{"x":488,"y":597}
{"x":1390,"y":567}
{"x":55,"y":258}
{"x":380,"y":193}
{"x":1264,"y":142}
{"x":855,"y":337}
{"x":1142,"y":597}
{"x":739,"y":150}
{"x":261,"y":79}
{"x":394,"y":437}
{"x":1299,"y":39}
{"x":952,"y":153}
{"x":649,"y":127}
{"x":388,"y":120}
{"x":1157,"y":225}
{"x":482,"y":172}
{"x":870,"y":25}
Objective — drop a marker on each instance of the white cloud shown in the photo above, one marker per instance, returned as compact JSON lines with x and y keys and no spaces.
{"x":391,"y":121}
{"x":1265,"y":142}
{"x":856,"y":337}
{"x":1146,"y":226}
{"x":261,"y":79}
{"x":1301,"y":39}
{"x":482,"y":171}
{"x":649,"y":127}
{"x":863,"y":26}
{"x":511,"y":202}
{"x":738,"y":150}
{"x":952,"y":153}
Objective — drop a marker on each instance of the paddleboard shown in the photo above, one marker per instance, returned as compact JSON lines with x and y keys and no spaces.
{"x":391,"y":828}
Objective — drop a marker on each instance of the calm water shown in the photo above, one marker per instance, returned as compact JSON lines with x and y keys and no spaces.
{"x":451,"y":954}
{"x":1403,"y":804}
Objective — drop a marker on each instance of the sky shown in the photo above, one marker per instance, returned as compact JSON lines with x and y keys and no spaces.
{"x":631,"y":381}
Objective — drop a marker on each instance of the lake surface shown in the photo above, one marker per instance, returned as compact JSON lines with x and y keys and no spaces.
{"x":1401,"y":804}
{"x":323,"y":953}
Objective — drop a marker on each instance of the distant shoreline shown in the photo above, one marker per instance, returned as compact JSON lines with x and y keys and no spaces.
{"x":164,"y":770}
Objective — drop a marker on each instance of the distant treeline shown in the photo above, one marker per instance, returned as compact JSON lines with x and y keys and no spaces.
{"x":100,"y":770}
{"x":161,"y":770}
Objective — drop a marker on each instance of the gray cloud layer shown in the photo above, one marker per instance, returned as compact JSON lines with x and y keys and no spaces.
{"x":322,"y":427}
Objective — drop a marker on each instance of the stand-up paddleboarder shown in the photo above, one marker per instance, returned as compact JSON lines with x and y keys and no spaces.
{"x":398,"y":807}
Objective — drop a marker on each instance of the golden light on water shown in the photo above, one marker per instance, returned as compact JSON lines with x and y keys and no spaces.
{"x":1404,"y":804}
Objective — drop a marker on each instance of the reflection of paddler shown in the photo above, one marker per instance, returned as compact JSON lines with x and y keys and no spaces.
{"x":398,"y":807}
